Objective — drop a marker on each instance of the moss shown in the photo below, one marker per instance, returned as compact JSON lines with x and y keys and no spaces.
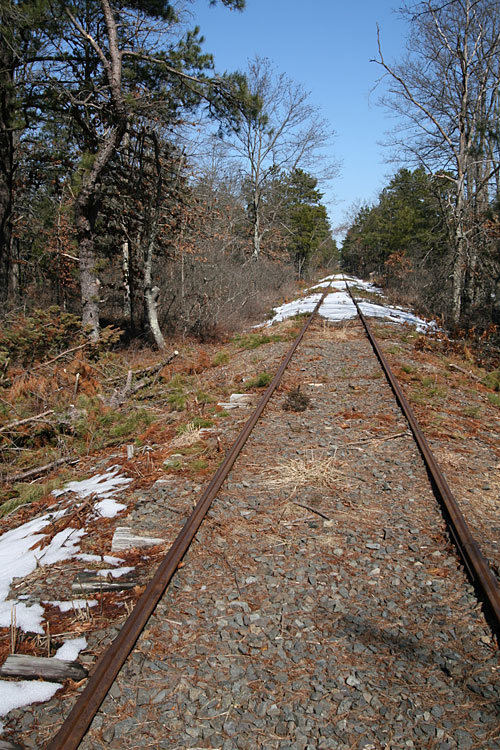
{"x":492,"y":380}
{"x":259,"y":381}
{"x":198,"y":465}
{"x":254,"y":340}
{"x":24,"y":493}
{"x":221,"y":358}
{"x":204,"y":398}
{"x":408,"y":369}
{"x":98,"y":426}
{"x":197,"y":423}
{"x":472,"y":411}
{"x":494,"y":399}
{"x":130,"y":424}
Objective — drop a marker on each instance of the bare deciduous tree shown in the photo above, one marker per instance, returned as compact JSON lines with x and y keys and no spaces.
{"x":282,"y":132}
{"x":446,"y":89}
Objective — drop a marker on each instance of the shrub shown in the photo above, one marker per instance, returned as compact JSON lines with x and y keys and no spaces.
{"x":44,"y":332}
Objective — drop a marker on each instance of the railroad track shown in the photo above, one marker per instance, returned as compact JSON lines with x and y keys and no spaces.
{"x":76,"y":725}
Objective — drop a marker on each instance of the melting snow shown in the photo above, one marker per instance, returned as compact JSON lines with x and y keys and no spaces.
{"x":105,"y":486}
{"x":70,"y":649}
{"x":17,"y":694}
{"x":20,"y":553}
{"x":339,"y":306}
{"x":18,"y":559}
{"x":99,"y":558}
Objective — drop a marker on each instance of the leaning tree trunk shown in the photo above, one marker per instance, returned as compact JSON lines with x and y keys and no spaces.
{"x":86,"y":201}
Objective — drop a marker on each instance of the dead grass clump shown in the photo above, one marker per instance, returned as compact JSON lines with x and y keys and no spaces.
{"x":323,"y":472}
{"x":30,"y":385}
{"x":346,"y":330}
{"x":190,"y":436}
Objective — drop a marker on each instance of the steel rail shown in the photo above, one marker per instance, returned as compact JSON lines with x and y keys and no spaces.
{"x":468,"y":548}
{"x":111,"y":661}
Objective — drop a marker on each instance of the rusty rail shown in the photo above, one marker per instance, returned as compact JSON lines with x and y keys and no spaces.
{"x":111,"y":661}
{"x":469,"y":550}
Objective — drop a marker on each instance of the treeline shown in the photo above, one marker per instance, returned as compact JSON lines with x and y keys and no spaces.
{"x":137,"y":186}
{"x":403,"y":241}
{"x":435,"y":229}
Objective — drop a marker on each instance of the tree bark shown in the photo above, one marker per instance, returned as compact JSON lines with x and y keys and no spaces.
{"x":256,"y":226}
{"x":85,"y":214}
{"x":86,"y":205}
{"x":152,"y":293}
{"x":127,"y":306}
{"x":6,"y":169}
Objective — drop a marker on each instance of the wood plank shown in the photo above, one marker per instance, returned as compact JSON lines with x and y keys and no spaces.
{"x":89,"y":581}
{"x":47,"y":668}
{"x":126,"y":538}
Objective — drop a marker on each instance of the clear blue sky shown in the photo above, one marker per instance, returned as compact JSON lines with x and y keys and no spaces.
{"x":326,"y":46}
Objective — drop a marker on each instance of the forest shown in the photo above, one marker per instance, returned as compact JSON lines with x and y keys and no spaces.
{"x":137,"y":183}
{"x":433,"y":234}
{"x":145,"y":194}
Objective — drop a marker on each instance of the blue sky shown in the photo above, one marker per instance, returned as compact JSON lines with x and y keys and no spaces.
{"x":326,"y":46}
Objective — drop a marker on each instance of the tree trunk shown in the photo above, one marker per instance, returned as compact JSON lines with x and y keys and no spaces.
{"x":85,"y":215}
{"x":127,"y":305}
{"x":89,"y":283}
{"x":256,"y":225}
{"x":136,"y":280}
{"x":86,"y":207}
{"x":459,"y":266}
{"x":6,"y":169}
{"x":151,"y":298}
{"x":152,"y":293}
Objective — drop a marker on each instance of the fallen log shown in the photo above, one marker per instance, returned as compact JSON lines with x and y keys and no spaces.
{"x":120,"y":396}
{"x":20,"y":422}
{"x":38,"y":470}
{"x":125,"y":538}
{"x":41,"y":667}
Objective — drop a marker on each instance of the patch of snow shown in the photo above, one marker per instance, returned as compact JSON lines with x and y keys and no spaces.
{"x":70,"y":649}
{"x":109,"y":508}
{"x":99,"y":558}
{"x":338,"y":305}
{"x":29,"y":619}
{"x":18,"y":559}
{"x":73,"y":604}
{"x":23,"y":693}
{"x":63,"y":546}
{"x":104,"y":485}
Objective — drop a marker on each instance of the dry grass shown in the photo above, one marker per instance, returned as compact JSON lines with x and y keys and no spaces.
{"x":449,"y":457}
{"x":323,"y":472}
{"x":346,"y":330}
{"x":190,"y":436}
